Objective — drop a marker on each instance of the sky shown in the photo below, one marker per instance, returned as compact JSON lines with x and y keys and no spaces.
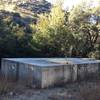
{"x":67,"y":3}
{"x":70,"y":3}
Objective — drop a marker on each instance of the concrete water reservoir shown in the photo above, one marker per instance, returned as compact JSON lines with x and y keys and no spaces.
{"x":46,"y":72}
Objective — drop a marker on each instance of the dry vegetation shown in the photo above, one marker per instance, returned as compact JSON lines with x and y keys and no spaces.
{"x":9,"y":88}
{"x":90,"y":93}
{"x":89,"y":90}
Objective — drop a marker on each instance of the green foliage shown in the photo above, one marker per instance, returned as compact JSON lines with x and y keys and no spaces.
{"x":53,"y":36}
{"x":55,"y":33}
{"x":84,"y":25}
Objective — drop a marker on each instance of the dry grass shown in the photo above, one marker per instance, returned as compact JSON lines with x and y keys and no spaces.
{"x":83,"y":91}
{"x":88,"y":91}
{"x":7,"y":87}
{"x":76,"y":91}
{"x":92,"y":93}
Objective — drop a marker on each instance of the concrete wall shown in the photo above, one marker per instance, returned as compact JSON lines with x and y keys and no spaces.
{"x":20,"y":72}
{"x":30,"y":75}
{"x":69,"y":73}
{"x":56,"y":75}
{"x":48,"y":76}
{"x":86,"y":71}
{"x":9,"y":69}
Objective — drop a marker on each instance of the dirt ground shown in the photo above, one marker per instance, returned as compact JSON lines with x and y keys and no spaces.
{"x":87,"y":90}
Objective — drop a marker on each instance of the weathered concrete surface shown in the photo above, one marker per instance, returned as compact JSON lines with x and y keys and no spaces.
{"x":46,"y":72}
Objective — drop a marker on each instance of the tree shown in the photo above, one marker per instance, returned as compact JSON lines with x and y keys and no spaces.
{"x":83,"y":28}
{"x":52,"y":35}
